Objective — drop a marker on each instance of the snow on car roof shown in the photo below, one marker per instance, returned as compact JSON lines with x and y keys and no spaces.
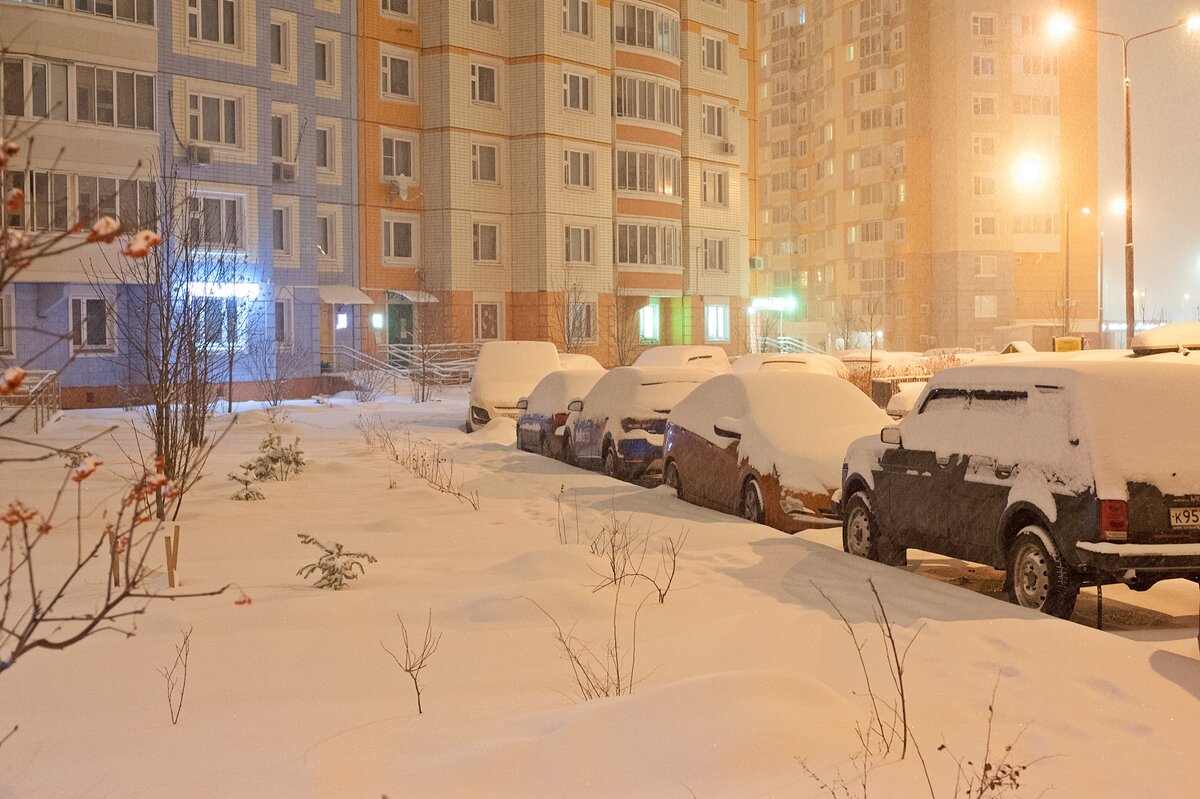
{"x":708,"y":357}
{"x":633,"y":389}
{"x":1168,"y":337}
{"x":798,"y":423}
{"x":795,"y":361}
{"x":516,"y":360}
{"x":556,"y":389}
{"x":1132,"y":415}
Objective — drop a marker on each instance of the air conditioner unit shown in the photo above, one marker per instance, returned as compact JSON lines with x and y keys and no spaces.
{"x":728,"y":147}
{"x":757,"y":263}
{"x":199,"y":156}
{"x":283,"y":173}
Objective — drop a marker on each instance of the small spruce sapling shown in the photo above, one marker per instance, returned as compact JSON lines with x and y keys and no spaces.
{"x":276,"y":461}
{"x":336,"y":565}
{"x":247,"y":493}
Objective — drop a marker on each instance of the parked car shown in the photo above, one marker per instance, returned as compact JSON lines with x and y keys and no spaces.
{"x":790,"y":362}
{"x":1064,"y":472}
{"x":767,"y":446}
{"x":618,"y":426}
{"x":905,"y":398}
{"x":578,"y":360}
{"x":698,"y":356}
{"x":544,"y":412}
{"x":505,"y":372}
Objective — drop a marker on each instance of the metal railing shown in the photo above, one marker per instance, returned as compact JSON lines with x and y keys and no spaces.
{"x":785,"y":344}
{"x":443,"y":364}
{"x":39,"y":394}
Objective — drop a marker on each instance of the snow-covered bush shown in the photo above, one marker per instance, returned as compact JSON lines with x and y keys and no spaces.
{"x":275,"y":461}
{"x":337,"y":566}
{"x":247,"y":493}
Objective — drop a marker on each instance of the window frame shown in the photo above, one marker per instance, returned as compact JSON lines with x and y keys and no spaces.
{"x":717,"y":322}
{"x":229,"y":12}
{"x":586,"y":237}
{"x":387,"y":241}
{"x":477,"y":84}
{"x":477,"y":242}
{"x":76,"y":324}
{"x":476,"y":162}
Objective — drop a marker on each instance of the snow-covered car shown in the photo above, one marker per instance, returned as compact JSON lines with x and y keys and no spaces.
{"x":1063,"y":472}
{"x":791,"y":362}
{"x":618,"y":426}
{"x":905,"y":398}
{"x":578,"y":360}
{"x":767,"y":446}
{"x":696,"y":356}
{"x":505,"y":372}
{"x":1179,"y":337}
{"x":544,"y":412}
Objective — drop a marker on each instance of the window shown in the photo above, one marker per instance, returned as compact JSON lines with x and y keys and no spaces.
{"x":712,"y":53}
{"x":485,"y":242}
{"x":283,"y":321}
{"x":983,"y":105}
{"x":398,"y":239}
{"x":577,"y":92}
{"x":397,"y":157}
{"x":13,"y":87}
{"x":985,"y":266}
{"x":644,"y":98}
{"x":221,"y":321}
{"x":7,"y":324}
{"x":324,"y":148}
{"x":214,"y":119}
{"x":648,"y":323}
{"x":714,"y":120}
{"x":644,"y":27}
{"x":983,"y":145}
{"x":212,"y":20}
{"x":401,"y":7}
{"x":46,"y":199}
{"x":48,"y":91}
{"x":983,"y":66}
{"x":985,"y":306}
{"x":898,"y":307}
{"x":133,"y":202}
{"x":483,"y":11}
{"x":325,"y":236}
{"x":578,"y":244}
{"x":983,"y":26}
{"x":484,"y":163}
{"x":984,"y":186}
{"x":483,"y":83}
{"x":215,"y":220}
{"x":898,"y":40}
{"x":108,"y":97}
{"x":581,"y":322}
{"x":279,"y":137}
{"x":396,"y":76}
{"x":984,"y":225}
{"x":716,"y":323}
{"x":487,"y":321}
{"x":140,"y":11}
{"x":323,"y":62}
{"x":648,"y":244}
{"x":649,"y":172}
{"x":281,"y":233}
{"x":577,"y":17}
{"x":91,"y":327}
{"x":714,"y":187}
{"x":577,"y":169}
{"x":279,"y":44}
{"x":714,"y":255}
{"x":899,"y":115}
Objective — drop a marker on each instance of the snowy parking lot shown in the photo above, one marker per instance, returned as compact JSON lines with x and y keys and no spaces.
{"x":742,"y":681}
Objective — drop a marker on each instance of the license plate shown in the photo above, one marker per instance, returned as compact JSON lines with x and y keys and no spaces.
{"x":1185,"y":517}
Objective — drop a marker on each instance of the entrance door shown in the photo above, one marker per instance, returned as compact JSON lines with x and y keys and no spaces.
{"x":400,"y":330}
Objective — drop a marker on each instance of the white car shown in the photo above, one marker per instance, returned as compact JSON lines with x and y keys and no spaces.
{"x":505,"y":372}
{"x":696,"y":356}
{"x":813,"y":362}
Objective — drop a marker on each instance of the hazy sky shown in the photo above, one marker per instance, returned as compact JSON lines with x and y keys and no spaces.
{"x":1165,"y":73}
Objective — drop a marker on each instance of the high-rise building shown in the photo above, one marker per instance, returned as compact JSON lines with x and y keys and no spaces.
{"x":925,"y":166}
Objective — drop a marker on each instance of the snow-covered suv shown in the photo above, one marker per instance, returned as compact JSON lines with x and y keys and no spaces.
{"x":1063,"y":472}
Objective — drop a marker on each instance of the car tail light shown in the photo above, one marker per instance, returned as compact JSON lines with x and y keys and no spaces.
{"x":560,"y":419}
{"x":1114,"y":520}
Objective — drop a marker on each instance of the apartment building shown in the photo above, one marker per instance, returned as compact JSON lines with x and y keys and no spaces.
{"x":568,"y":170}
{"x":922,"y":163}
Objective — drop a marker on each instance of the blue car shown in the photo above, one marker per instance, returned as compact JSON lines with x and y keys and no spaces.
{"x":543,"y":413}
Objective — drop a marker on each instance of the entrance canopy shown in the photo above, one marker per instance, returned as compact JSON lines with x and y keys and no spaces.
{"x":412,"y":296}
{"x":343,"y":295}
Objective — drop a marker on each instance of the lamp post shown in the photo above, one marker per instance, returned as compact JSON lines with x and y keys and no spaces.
{"x":1060,"y":27}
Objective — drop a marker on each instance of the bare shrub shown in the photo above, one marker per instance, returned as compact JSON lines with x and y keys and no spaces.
{"x":610,"y":673}
{"x":272,"y":369}
{"x":414,"y":661}
{"x":176,"y":676}
{"x":421,"y":457}
{"x":369,"y":384}
{"x":624,"y":552}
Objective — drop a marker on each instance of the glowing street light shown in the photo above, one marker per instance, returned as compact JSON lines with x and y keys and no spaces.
{"x":1060,"y":27}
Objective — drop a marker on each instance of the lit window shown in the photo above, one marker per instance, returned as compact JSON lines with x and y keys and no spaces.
{"x":716,"y":322}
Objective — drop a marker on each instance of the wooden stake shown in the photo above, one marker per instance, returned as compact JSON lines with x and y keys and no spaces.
{"x":116,"y":563}
{"x":172,"y":548}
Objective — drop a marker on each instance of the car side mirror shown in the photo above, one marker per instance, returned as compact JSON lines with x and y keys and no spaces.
{"x":575,"y":406}
{"x":891,"y":435}
{"x":522,"y":404}
{"x":727,"y":428}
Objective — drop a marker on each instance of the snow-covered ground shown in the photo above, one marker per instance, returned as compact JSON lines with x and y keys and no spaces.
{"x":742,"y":673}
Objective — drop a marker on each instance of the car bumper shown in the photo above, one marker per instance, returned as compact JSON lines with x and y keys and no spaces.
{"x":641,"y":454}
{"x":1163,"y":560}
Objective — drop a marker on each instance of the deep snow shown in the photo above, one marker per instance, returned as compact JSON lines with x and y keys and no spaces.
{"x":742,"y":672}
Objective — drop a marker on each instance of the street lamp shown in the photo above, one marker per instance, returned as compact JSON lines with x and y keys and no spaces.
{"x":1059,"y":27}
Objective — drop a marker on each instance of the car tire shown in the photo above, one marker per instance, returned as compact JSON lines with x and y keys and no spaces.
{"x":861,"y":535}
{"x":751,"y":507}
{"x":544,"y":447}
{"x":1037,"y":577}
{"x":612,"y":463}
{"x":671,"y":478}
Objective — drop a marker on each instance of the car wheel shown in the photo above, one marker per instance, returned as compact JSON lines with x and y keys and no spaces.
{"x":612,"y":464}
{"x":1037,"y":577}
{"x":752,"y":503}
{"x":861,"y":535}
{"x":545,"y":447}
{"x":671,"y":478}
